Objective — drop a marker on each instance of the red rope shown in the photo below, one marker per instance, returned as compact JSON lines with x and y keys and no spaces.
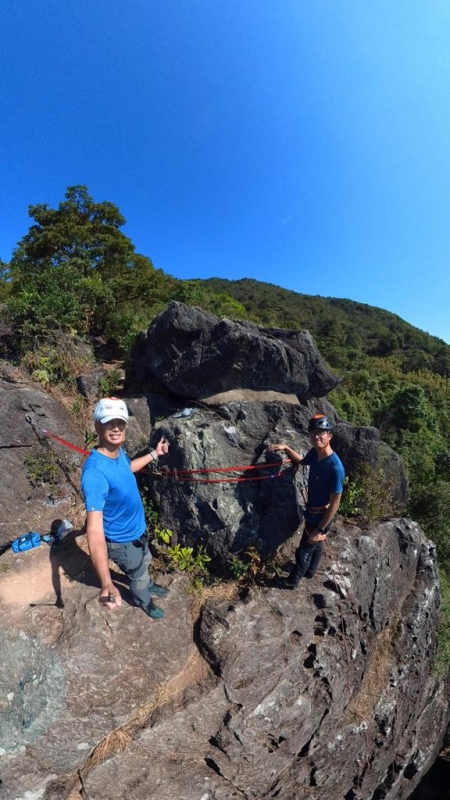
{"x":67,"y":444}
{"x":230,"y":480}
{"x":177,"y":473}
{"x":239,"y":468}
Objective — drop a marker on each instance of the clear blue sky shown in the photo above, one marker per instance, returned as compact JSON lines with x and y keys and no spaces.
{"x":301,"y":142}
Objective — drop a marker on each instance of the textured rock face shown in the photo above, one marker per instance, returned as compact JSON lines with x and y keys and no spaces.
{"x":71,"y":673}
{"x":323,"y":692}
{"x":264,"y":508}
{"x":39,"y":477}
{"x":195,"y":354}
{"x":359,"y":446}
{"x":330,"y":690}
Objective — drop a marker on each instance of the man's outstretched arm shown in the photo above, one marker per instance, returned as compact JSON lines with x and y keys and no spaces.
{"x":297,"y":458}
{"x":109,"y":594}
{"x":160,"y":450}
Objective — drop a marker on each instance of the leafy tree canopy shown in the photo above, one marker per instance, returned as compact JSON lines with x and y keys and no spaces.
{"x":76,"y":270}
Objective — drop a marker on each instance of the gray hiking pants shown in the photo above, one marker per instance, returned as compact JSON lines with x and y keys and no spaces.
{"x":134,"y":559}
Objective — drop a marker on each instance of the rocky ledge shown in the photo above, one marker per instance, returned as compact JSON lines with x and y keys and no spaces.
{"x":322,"y":692}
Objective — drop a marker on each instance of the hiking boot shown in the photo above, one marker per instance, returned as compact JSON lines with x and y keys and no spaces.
{"x":293,"y":579}
{"x":286,"y":583}
{"x":153,"y":611}
{"x":158,"y":591}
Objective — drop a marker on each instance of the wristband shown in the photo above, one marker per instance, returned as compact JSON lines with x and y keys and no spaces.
{"x":321,"y":530}
{"x":154,"y":455}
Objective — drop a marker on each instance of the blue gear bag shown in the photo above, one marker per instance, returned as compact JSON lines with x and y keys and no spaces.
{"x":26,"y":542}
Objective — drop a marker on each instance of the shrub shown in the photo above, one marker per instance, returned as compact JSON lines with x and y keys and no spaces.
{"x":441,"y":660}
{"x":42,"y":468}
{"x":367,"y":494}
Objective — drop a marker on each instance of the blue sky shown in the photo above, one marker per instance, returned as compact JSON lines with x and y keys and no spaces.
{"x":300,"y":142}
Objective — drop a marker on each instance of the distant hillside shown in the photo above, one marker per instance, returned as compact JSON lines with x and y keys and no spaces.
{"x":394,"y":376}
{"x":76,"y":287}
{"x":343,"y":329}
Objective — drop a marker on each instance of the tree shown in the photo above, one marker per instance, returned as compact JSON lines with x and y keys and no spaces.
{"x":4,"y":281}
{"x":75,"y":269}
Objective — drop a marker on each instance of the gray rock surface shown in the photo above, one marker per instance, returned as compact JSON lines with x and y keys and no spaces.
{"x":89,"y":382}
{"x":39,"y":476}
{"x":265,"y":506}
{"x":343,"y":704}
{"x":195,"y":355}
{"x":71,"y":672}
{"x":359,"y":446}
{"x":323,"y":692}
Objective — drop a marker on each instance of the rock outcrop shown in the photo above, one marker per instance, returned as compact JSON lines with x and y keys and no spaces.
{"x":324,"y":692}
{"x":361,"y":446}
{"x":257,"y":693}
{"x":231,"y":511}
{"x":195,"y":355}
{"x":39,"y":478}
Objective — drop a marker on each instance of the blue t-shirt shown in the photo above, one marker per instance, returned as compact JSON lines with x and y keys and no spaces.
{"x":325,"y":477}
{"x":109,"y":485}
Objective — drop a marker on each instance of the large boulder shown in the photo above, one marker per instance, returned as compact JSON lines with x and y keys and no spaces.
{"x":195,"y":355}
{"x":262,"y":693}
{"x":360,"y":448}
{"x":232,"y":508}
{"x":337,"y":698}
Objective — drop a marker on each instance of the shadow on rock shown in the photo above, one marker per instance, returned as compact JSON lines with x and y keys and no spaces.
{"x":69,"y":559}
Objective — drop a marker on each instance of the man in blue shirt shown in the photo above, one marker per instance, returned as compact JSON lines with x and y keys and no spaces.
{"x":115,"y":523}
{"x":325,"y":485}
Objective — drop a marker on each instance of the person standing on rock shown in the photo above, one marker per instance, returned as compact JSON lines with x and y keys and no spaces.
{"x":115,"y":524}
{"x":325,"y":485}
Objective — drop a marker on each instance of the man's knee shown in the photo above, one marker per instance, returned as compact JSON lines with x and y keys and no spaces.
{"x":142,"y":580}
{"x":139,"y":573}
{"x":303,"y":557}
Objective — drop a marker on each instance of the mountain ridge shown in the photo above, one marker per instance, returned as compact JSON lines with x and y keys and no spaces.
{"x":264,"y":300}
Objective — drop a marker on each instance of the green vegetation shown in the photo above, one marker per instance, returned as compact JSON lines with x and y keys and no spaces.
{"x":250,"y":569}
{"x":42,"y":468}
{"x":186,"y":559}
{"x":56,"y":358}
{"x":367,"y":495}
{"x":163,"y":535}
{"x":151,"y":513}
{"x":75,"y":285}
{"x":441,"y":659}
{"x":109,"y":385}
{"x":77,"y":272}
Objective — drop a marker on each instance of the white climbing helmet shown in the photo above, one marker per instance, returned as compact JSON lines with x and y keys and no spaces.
{"x":109,"y":408}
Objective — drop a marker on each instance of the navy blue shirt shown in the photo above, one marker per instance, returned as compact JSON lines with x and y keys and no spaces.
{"x":325,"y":477}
